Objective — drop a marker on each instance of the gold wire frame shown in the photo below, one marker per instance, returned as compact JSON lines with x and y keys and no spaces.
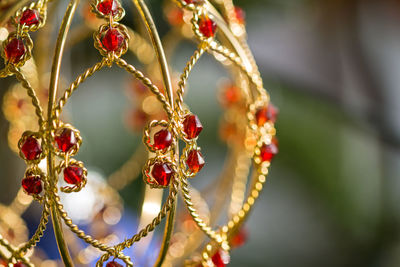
{"x":234,"y":51}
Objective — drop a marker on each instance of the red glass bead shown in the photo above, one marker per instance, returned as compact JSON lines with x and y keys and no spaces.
{"x":108,"y":6}
{"x":175,"y":16}
{"x":268,"y":152}
{"x":112,"y":40}
{"x":265,"y":114}
{"x":32,"y":185}
{"x":31,"y":148}
{"x":239,"y":238}
{"x":207,"y":26}
{"x":66,"y":139}
{"x":231,"y":95}
{"x":162,"y":173}
{"x":192,"y":126}
{"x":19,"y":264}
{"x":29,"y":17}
{"x":15,"y":50}
{"x":240,"y":15}
{"x":73,"y":174}
{"x":162,"y":139}
{"x":195,"y":2}
{"x":113,"y":264}
{"x":220,"y":259}
{"x":195,"y":161}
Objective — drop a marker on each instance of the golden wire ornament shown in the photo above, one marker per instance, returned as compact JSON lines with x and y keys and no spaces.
{"x":54,"y":143}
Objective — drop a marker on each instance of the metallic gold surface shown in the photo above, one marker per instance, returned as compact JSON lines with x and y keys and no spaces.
{"x":237,"y":177}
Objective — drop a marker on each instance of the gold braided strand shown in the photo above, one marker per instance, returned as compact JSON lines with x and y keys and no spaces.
{"x":185,"y":74}
{"x":239,"y":179}
{"x":157,"y":220}
{"x":4,"y":243}
{"x":41,"y":228}
{"x":254,"y":78}
{"x":80,"y":233}
{"x":196,"y":217}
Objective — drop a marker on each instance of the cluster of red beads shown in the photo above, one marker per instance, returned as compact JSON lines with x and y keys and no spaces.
{"x":15,"y":47}
{"x":67,"y":141}
{"x":111,"y":39}
{"x":266,"y":114}
{"x":31,"y":150}
{"x":192,"y":128}
{"x":262,"y":116}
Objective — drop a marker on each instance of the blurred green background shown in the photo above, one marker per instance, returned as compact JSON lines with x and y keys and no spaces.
{"x":333,"y":70}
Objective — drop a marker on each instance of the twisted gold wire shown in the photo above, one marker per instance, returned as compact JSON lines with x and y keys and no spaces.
{"x":80,"y":233}
{"x":185,"y":74}
{"x":157,"y":220}
{"x":4,"y":243}
{"x":254,"y":78}
{"x":42,"y":225}
{"x":196,"y":217}
{"x":239,"y":179}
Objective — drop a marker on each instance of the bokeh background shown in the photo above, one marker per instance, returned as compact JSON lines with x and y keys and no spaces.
{"x":332,"y":68}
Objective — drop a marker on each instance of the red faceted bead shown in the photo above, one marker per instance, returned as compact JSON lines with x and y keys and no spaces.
{"x":240,"y":15}
{"x":66,"y":139}
{"x":15,"y":50}
{"x":195,"y":2}
{"x":207,"y":26}
{"x":265,"y":114}
{"x":19,"y":264}
{"x":268,"y":152}
{"x":220,"y":259}
{"x":162,"y":173}
{"x":108,"y":6}
{"x":31,"y":148}
{"x":113,"y":264}
{"x":29,"y":17}
{"x":32,"y":185}
{"x":73,"y":174}
{"x":162,"y":139}
{"x":192,"y":126}
{"x":113,"y":40}
{"x":195,"y":161}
